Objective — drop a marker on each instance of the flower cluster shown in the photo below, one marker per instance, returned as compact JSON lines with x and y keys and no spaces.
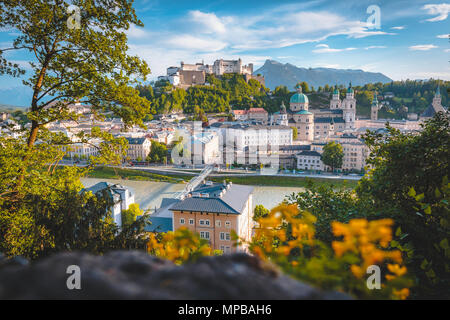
{"x":287,"y":237}
{"x":179,"y":246}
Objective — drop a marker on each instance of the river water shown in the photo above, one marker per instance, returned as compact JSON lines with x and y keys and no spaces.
{"x":149,"y":194}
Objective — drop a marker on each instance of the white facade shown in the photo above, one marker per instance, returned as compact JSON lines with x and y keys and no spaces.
{"x":309,"y":160}
{"x":138,"y":148}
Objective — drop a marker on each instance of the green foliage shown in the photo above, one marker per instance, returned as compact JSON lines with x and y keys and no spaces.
{"x":129,"y":216}
{"x":49,"y":213}
{"x":260,"y":212}
{"x":179,"y":246}
{"x":408,"y":183}
{"x":333,"y":155}
{"x":158,"y":152}
{"x":41,"y":207}
{"x":329,"y":203}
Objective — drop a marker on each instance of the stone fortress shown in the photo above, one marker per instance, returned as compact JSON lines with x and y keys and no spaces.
{"x":195,"y":74}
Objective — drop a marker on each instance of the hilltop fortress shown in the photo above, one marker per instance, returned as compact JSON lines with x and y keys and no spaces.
{"x":195,"y":74}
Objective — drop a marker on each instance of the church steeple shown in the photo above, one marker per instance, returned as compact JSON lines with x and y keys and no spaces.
{"x":374,"y":108}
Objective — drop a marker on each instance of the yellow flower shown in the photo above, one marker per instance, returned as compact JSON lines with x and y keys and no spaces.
{"x":401,"y":294}
{"x":357,"y":271}
{"x":396,"y":269}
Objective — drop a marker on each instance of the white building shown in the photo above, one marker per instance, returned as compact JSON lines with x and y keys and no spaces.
{"x":138,"y":148}
{"x":121,"y":196}
{"x":205,"y":148}
{"x":309,"y":160}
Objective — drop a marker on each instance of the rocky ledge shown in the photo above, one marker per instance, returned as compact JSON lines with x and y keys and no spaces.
{"x":137,"y":275}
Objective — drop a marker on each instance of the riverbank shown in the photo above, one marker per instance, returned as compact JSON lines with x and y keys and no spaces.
{"x":259,"y":180}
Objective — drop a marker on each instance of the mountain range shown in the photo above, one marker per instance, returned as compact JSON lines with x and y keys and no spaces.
{"x":276,"y":73}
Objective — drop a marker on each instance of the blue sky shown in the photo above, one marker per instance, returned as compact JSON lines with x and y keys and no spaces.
{"x":412,"y":41}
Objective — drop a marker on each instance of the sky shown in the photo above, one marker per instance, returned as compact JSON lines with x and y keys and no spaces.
{"x":410,"y":41}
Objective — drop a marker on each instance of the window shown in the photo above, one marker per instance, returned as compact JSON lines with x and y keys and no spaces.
{"x":225,"y":236}
{"x":218,"y":223}
{"x":204,"y":222}
{"x":182,"y":221}
{"x":204,"y":235}
{"x":228,"y":224}
{"x":191,"y":221}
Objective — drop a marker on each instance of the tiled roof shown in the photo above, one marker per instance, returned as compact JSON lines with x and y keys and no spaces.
{"x":328,"y":120}
{"x":257,"y":110}
{"x":136,"y":140}
{"x":159,"y":224}
{"x":309,"y":153}
{"x":232,"y":201}
{"x":213,"y":205}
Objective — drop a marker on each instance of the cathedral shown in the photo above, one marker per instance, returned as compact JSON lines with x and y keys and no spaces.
{"x":314,"y":124}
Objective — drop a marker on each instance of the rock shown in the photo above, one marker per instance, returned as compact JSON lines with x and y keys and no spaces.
{"x":137,"y":275}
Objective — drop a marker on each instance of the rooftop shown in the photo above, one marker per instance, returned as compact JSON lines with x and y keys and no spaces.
{"x":215,"y":198}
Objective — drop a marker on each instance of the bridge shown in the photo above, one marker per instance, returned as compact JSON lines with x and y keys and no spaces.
{"x":194,"y":182}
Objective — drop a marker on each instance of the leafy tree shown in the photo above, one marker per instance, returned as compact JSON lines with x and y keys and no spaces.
{"x":329,"y":204}
{"x":407,"y":169}
{"x":129,"y":216}
{"x":260,"y":212}
{"x":158,"y":151}
{"x":333,"y":155}
{"x":41,"y":209}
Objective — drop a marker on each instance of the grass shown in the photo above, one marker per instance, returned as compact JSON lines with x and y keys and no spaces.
{"x":140,"y":175}
{"x":278,"y":181}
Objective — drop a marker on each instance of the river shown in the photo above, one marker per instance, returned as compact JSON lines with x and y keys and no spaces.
{"x":149,"y":194}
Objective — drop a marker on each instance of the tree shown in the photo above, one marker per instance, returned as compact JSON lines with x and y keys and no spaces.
{"x":41,"y":209}
{"x":333,"y":155}
{"x":409,"y":183}
{"x":304,"y":85}
{"x":260,"y":212}
{"x":129,"y":216}
{"x":86,"y":62}
{"x":158,"y":151}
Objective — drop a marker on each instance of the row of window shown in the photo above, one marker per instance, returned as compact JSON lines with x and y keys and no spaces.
{"x":206,"y":222}
{"x":224,"y":236}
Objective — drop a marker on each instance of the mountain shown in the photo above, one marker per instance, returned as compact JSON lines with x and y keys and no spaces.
{"x":289,"y":75}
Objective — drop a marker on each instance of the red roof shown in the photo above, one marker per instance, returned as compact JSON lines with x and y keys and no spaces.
{"x":240,"y":111}
{"x":257,"y":110}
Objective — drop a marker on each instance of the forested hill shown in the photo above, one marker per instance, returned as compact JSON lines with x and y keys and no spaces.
{"x":233,"y":92}
{"x":277,"y":74}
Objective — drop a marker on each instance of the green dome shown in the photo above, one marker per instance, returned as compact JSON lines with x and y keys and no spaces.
{"x":303,"y":112}
{"x":336,"y":91}
{"x":299,"y":98}
{"x":350,"y":89}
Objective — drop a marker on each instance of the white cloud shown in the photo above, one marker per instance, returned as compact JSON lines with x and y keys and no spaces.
{"x":443,"y":36}
{"x":447,"y":50}
{"x":398,"y":28}
{"x":135,"y":32}
{"x":207,"y":22}
{"x":439,"y":10}
{"x":326,"y":49}
{"x":422,"y":47}
{"x":375,"y":47}
{"x":188,"y":41}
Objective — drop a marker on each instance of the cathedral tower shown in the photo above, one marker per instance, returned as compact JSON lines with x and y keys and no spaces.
{"x":374,"y":108}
